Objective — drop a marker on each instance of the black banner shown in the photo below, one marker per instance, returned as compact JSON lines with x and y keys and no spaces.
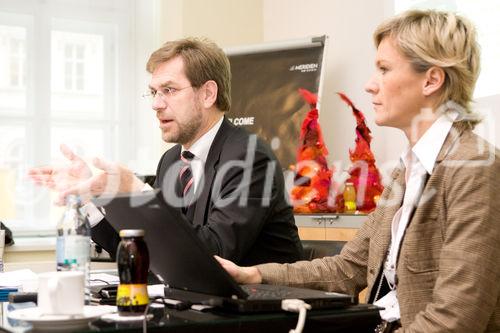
{"x":265,"y":97}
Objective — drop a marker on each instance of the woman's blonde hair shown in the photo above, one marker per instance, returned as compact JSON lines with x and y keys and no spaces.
{"x":203,"y":61}
{"x":442,"y":39}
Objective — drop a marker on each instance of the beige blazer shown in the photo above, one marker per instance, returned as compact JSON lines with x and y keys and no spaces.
{"x":449,"y":263}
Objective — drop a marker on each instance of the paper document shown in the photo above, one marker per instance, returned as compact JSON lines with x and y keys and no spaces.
{"x":24,"y":279}
{"x":101,"y":279}
{"x":155,"y":290}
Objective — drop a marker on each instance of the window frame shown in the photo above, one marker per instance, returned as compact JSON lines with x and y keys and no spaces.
{"x":39,"y":20}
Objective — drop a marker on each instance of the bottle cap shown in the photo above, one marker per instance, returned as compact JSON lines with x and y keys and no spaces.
{"x":73,"y":198}
{"x":131,"y":233}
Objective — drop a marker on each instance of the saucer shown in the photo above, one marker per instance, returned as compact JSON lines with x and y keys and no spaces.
{"x":117,"y":318}
{"x":46,"y":322}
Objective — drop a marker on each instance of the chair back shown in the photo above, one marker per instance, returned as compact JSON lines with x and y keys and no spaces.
{"x":318,"y":248}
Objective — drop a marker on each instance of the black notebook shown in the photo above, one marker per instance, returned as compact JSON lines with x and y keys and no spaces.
{"x":189,"y":271}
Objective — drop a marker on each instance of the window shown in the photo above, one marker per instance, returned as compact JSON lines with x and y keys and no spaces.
{"x":12,"y":61}
{"x":17,"y":62}
{"x":60,"y":83}
{"x":12,"y":67}
{"x":74,"y":62}
{"x":484,"y":15}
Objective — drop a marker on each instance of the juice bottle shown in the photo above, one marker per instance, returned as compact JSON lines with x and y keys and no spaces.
{"x":349,"y":198}
{"x":133,"y":264}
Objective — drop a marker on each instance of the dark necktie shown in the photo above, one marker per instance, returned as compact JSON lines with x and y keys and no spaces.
{"x":186,"y":179}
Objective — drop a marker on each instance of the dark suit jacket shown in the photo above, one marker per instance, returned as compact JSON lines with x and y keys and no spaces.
{"x":262,"y":230}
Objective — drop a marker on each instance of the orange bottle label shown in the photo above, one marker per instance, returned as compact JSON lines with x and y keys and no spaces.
{"x":132,"y":294}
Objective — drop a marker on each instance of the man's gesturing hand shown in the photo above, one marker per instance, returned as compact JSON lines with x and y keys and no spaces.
{"x":77,"y":178}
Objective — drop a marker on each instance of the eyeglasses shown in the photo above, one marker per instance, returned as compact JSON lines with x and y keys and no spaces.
{"x":164,"y":93}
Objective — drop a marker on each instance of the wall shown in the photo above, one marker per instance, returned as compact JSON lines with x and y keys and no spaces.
{"x":146,"y":128}
{"x":350,"y":53}
{"x":226,"y":22}
{"x":349,"y":63}
{"x":349,"y":60}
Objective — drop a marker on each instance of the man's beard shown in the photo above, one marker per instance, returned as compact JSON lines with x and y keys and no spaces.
{"x":187,"y":132}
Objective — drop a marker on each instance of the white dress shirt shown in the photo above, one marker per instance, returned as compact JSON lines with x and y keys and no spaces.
{"x":419,"y":163}
{"x":199,"y":149}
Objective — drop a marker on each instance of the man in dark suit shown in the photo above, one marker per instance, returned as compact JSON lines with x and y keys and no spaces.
{"x":227,"y":183}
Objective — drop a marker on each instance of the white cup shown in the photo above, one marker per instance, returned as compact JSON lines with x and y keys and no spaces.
{"x":61,"y":293}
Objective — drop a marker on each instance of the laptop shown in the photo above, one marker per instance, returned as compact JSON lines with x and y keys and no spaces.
{"x":189,"y":271}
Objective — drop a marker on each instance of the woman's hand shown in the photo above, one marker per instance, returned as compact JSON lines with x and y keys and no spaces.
{"x":242,"y":275}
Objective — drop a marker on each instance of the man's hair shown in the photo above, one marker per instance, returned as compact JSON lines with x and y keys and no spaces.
{"x":203,"y":61}
{"x":442,"y":39}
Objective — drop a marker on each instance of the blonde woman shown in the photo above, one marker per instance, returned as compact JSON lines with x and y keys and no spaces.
{"x":430,"y":251}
